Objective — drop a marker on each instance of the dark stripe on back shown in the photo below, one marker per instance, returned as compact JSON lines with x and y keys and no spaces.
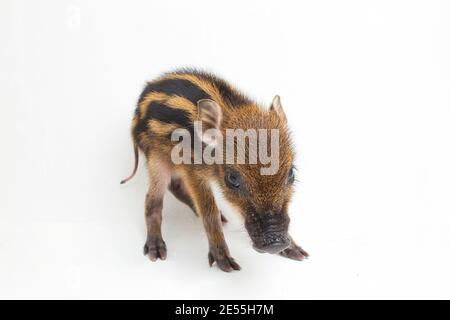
{"x":179,"y":87}
{"x":230,"y":96}
{"x":163,"y":113}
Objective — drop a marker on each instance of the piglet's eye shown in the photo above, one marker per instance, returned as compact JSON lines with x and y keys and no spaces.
{"x":291,"y":175}
{"x":232,"y":180}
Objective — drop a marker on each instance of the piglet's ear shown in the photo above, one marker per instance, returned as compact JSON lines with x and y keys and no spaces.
{"x":278,"y":108}
{"x":210,"y":117}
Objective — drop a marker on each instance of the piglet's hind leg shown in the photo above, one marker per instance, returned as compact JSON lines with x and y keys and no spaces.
{"x":159,"y":173}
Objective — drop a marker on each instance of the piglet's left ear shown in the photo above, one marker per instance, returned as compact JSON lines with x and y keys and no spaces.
{"x":210,"y":116}
{"x":278,"y":108}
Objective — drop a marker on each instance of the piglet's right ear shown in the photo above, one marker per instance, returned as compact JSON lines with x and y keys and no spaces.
{"x":278,"y":108}
{"x":210,"y":116}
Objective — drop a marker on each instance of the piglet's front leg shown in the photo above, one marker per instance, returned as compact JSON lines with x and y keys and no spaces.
{"x":218,"y":250}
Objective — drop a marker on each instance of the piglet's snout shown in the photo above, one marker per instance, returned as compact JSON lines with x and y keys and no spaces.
{"x":269,"y":232}
{"x":275,"y":243}
{"x":274,"y":239}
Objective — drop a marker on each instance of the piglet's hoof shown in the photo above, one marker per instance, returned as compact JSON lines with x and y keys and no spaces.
{"x":155,"y":249}
{"x":223,"y":260}
{"x":294,"y":252}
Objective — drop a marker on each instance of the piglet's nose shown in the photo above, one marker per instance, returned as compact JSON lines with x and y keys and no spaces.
{"x":276,"y":244}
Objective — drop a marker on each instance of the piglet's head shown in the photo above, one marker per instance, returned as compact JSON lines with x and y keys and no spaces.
{"x":259,"y":189}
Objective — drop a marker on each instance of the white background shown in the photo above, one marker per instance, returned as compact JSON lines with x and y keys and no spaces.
{"x":365,"y":85}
